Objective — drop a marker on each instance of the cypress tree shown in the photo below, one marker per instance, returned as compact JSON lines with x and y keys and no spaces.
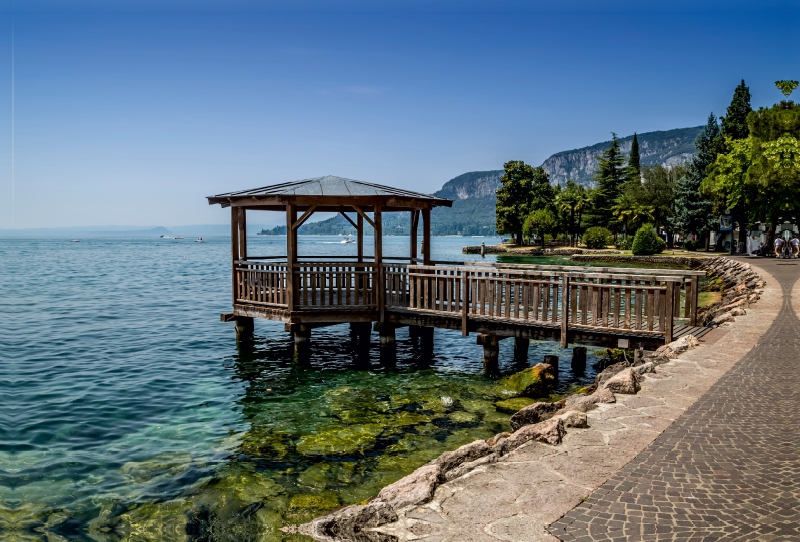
{"x":734,"y":123}
{"x":633,"y":159}
{"x":610,"y":176}
{"x":693,"y":214}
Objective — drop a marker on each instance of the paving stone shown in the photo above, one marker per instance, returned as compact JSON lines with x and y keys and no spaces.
{"x":727,"y":468}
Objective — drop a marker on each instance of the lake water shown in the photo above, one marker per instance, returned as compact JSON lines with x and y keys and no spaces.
{"x":128,"y":413}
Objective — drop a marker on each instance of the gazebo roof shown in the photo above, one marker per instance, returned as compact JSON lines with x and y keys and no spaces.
{"x":328,"y":191}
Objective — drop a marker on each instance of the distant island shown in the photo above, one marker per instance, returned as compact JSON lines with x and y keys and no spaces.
{"x":474,"y":197}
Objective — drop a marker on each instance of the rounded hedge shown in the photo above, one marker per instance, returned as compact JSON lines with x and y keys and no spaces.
{"x":690,"y":245}
{"x":647,"y":242}
{"x":596,"y":237}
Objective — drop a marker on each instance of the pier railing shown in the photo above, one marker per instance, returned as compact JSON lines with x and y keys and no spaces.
{"x":639,"y":301}
{"x":642,"y":302}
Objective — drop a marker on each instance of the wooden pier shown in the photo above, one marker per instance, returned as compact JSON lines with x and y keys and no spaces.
{"x":613,"y":307}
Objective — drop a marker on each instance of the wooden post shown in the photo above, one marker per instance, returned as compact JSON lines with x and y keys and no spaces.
{"x":693,"y":300}
{"x":491,"y":352}
{"x":426,"y":236}
{"x":302,"y":341}
{"x":564,"y":309}
{"x":413,"y":235}
{"x":579,"y":359}
{"x":668,"y":312}
{"x":553,"y":362}
{"x":465,"y":289}
{"x":521,"y":346}
{"x":360,"y":235}
{"x":291,"y":256}
{"x":378,"y":278}
{"x":242,"y":233}
{"x":234,"y":250}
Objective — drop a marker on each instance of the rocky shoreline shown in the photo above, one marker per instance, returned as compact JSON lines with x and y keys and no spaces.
{"x":541,"y":422}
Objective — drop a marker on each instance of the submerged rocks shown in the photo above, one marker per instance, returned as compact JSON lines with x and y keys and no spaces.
{"x":626,"y":381}
{"x":534,"y":381}
{"x":352,"y":523}
{"x":416,"y":488}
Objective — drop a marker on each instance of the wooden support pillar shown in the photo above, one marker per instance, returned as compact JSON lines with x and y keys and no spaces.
{"x":521,"y":346}
{"x":360,"y":236}
{"x":292,"y":283}
{"x":552,"y":361}
{"x":360,"y":332}
{"x":491,"y":352}
{"x":379,"y":288}
{"x":242,"y":233}
{"x":301,"y":335}
{"x":426,"y":337}
{"x":426,"y":237}
{"x":388,"y":342}
{"x":413,"y":235}
{"x":244,"y":328}
{"x":579,"y":359}
{"x":668,"y":310}
{"x":564,"y":310}
{"x":234,"y":251}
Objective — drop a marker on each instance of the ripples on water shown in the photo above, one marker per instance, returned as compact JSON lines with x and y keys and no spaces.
{"x":129,"y":414}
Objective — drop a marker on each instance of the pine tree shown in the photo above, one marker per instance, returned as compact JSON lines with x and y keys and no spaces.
{"x":610,"y":176}
{"x":693,"y":214}
{"x":514,"y":198}
{"x":734,"y":123}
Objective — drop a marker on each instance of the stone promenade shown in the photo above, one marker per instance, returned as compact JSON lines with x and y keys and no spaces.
{"x":705,"y":451}
{"x":729,"y":467}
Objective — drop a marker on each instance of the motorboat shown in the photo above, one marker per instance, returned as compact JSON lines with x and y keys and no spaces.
{"x":348,"y":240}
{"x":199,"y":240}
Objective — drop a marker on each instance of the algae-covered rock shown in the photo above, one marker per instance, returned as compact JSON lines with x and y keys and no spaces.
{"x":343,"y":441}
{"x":534,"y":381}
{"x":511,"y":406}
{"x":463,"y":417}
{"x":322,"y":475}
{"x":317,"y":501}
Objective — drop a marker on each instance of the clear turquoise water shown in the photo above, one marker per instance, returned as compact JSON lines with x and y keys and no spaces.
{"x":128,"y":413}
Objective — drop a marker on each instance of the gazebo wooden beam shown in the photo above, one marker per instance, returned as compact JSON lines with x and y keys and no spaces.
{"x":350,"y":220}
{"x":363,"y":215}
{"x":302,"y":219}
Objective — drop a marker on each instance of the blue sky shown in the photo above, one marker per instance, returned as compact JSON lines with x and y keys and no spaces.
{"x":132,"y":113}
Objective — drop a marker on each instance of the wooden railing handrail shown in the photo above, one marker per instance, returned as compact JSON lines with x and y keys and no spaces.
{"x":632,"y":270}
{"x":572,"y":274}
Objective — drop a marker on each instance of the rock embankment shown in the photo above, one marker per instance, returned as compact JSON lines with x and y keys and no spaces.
{"x":739,"y":285}
{"x":531,"y":251}
{"x":545,"y":423}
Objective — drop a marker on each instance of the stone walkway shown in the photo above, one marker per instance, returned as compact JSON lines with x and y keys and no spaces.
{"x":698,"y":454}
{"x":728,"y":468}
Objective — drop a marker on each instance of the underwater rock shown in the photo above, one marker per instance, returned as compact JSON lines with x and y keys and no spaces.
{"x":626,"y":381}
{"x":320,"y":475}
{"x":318,"y":501}
{"x":464,"y":417}
{"x":416,"y":488}
{"x":351,"y":524}
{"x":535,"y":413}
{"x":548,"y":432}
{"x":534,"y":381}
{"x":513,"y":405}
{"x":464,"y":454}
{"x":344,"y":441}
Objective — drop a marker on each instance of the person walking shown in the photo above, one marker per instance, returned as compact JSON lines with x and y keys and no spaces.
{"x":795,"y":246}
{"x":779,"y":246}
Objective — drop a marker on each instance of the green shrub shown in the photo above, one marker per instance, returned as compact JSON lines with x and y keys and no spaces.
{"x":690,"y":245}
{"x":624,"y":243}
{"x":596,"y":237}
{"x":647,"y":241}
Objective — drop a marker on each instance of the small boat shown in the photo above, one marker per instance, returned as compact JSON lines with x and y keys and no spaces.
{"x":75,"y":241}
{"x":178,"y":237}
{"x":199,"y":240}
{"x":161,"y":236}
{"x":348,"y":240}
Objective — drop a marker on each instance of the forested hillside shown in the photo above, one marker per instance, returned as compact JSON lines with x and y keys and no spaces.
{"x":473,"y":193}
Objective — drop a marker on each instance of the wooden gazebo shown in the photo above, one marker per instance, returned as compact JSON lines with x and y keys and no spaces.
{"x":606,"y":307}
{"x":307,"y":290}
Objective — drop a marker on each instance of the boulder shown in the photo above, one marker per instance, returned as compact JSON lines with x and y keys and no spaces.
{"x":511,"y":406}
{"x":645,"y":368}
{"x":548,"y":432}
{"x":573,"y":418}
{"x":626,"y":382}
{"x":534,"y":381}
{"x":585,"y":402}
{"x":348,"y":523}
{"x":687,"y":342}
{"x":495,"y":439}
{"x":416,"y":488}
{"x":722,"y":318}
{"x":535,"y":413}
{"x":465,"y":468}
{"x":466,"y":453}
{"x":738,"y":312}
{"x":610,"y":371}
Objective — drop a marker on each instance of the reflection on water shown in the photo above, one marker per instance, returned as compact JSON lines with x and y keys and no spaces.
{"x":131,"y":415}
